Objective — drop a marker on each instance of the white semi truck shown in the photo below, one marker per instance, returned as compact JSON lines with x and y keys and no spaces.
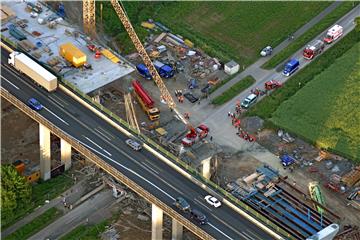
{"x":33,"y":70}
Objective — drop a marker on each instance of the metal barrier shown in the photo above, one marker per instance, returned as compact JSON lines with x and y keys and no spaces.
{"x":105,"y":166}
{"x":233,"y":200}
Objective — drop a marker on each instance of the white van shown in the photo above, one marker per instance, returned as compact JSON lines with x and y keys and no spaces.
{"x":250,"y":100}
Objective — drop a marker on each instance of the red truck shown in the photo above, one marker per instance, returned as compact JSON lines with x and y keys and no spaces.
{"x":145,"y":100}
{"x":195,"y":135}
{"x":313,"y":49}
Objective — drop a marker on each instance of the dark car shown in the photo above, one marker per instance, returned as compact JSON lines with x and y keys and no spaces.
{"x":35,"y":104}
{"x":191,"y":97}
{"x":182,"y":204}
{"x":198,"y":216}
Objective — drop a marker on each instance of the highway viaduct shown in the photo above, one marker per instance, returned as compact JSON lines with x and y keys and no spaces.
{"x":146,"y":172}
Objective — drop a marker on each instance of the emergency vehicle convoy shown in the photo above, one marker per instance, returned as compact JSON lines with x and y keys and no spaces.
{"x":313,"y":49}
{"x":333,"y":33}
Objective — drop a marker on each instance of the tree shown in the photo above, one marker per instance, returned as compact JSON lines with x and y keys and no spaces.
{"x":15,"y":191}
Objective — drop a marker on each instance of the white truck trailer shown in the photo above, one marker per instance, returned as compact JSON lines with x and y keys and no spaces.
{"x":33,"y":70}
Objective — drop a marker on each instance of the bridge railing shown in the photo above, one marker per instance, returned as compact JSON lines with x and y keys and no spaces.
{"x":105,"y":166}
{"x":243,"y":206}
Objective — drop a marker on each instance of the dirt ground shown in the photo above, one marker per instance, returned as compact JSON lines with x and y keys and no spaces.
{"x":18,"y":141}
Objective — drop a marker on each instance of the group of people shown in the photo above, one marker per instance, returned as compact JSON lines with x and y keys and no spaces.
{"x":179,"y":95}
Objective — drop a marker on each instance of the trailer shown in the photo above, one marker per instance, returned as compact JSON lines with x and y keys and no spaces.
{"x":33,"y":70}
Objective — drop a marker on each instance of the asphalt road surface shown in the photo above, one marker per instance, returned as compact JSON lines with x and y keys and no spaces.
{"x":149,"y":172}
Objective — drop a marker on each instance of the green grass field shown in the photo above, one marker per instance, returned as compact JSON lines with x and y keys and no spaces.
{"x":36,"y":225}
{"x":234,"y":90}
{"x":86,"y":232}
{"x":41,"y":192}
{"x":326,"y":110}
{"x":237,"y":30}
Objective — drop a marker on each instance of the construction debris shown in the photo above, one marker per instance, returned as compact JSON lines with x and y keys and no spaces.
{"x":352,"y":177}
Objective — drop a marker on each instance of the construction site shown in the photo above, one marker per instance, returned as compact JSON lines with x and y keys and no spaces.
{"x":302,"y":188}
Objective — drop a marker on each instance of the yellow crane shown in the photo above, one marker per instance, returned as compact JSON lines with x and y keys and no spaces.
{"x":89,"y":26}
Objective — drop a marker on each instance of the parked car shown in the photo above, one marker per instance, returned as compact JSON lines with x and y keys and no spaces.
{"x":213,"y":201}
{"x":266,"y":51}
{"x":198,"y":216}
{"x":182,"y":204}
{"x":133,"y":144}
{"x":191,"y":97}
{"x":249,"y":100}
{"x":35,"y":104}
{"x":291,"y":67}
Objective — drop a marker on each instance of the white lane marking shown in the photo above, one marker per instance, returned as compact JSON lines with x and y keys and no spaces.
{"x":128,"y":169}
{"x":106,"y":132}
{"x":10,"y":83}
{"x":56,"y":116}
{"x":247,"y":235}
{"x":55,"y":101}
{"x":61,"y":100}
{"x":102,"y":134}
{"x":202,"y":204}
{"x":219,"y":230}
{"x":150,"y":168}
{"x":253,"y":234}
{"x":97,"y":145}
{"x":228,"y":225}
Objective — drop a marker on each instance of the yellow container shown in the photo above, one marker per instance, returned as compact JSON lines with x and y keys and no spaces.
{"x":72,"y":54}
{"x":189,"y":43}
{"x":109,"y":55}
{"x":147,"y":25}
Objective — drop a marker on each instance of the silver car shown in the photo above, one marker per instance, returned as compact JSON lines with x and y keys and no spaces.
{"x":133,"y":144}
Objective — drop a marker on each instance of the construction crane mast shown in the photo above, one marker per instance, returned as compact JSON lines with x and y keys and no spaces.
{"x":89,"y":17}
{"x":165,"y":95}
{"x":89,"y":27}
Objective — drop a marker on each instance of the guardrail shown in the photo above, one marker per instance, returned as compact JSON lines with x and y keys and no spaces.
{"x":105,"y":166}
{"x":243,"y":206}
{"x":246,"y":208}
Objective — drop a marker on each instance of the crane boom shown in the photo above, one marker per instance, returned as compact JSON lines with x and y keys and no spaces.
{"x":147,"y":61}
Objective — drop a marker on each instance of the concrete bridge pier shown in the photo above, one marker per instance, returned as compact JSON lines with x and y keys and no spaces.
{"x":45,"y":152}
{"x":65,"y":153}
{"x":206,"y":167}
{"x":177,"y":230}
{"x":157,"y":216}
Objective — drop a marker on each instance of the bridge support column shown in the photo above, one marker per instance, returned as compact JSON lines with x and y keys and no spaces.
{"x":45,"y":152}
{"x":206,"y":167}
{"x":177,"y":230}
{"x":65,"y":153}
{"x":157,"y":223}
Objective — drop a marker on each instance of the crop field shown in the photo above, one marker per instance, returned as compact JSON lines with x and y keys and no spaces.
{"x":326,"y":111}
{"x":227,"y":30}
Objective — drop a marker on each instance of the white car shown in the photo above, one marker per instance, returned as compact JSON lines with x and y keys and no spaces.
{"x":133,"y":144}
{"x":266,"y":51}
{"x":212,"y":201}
